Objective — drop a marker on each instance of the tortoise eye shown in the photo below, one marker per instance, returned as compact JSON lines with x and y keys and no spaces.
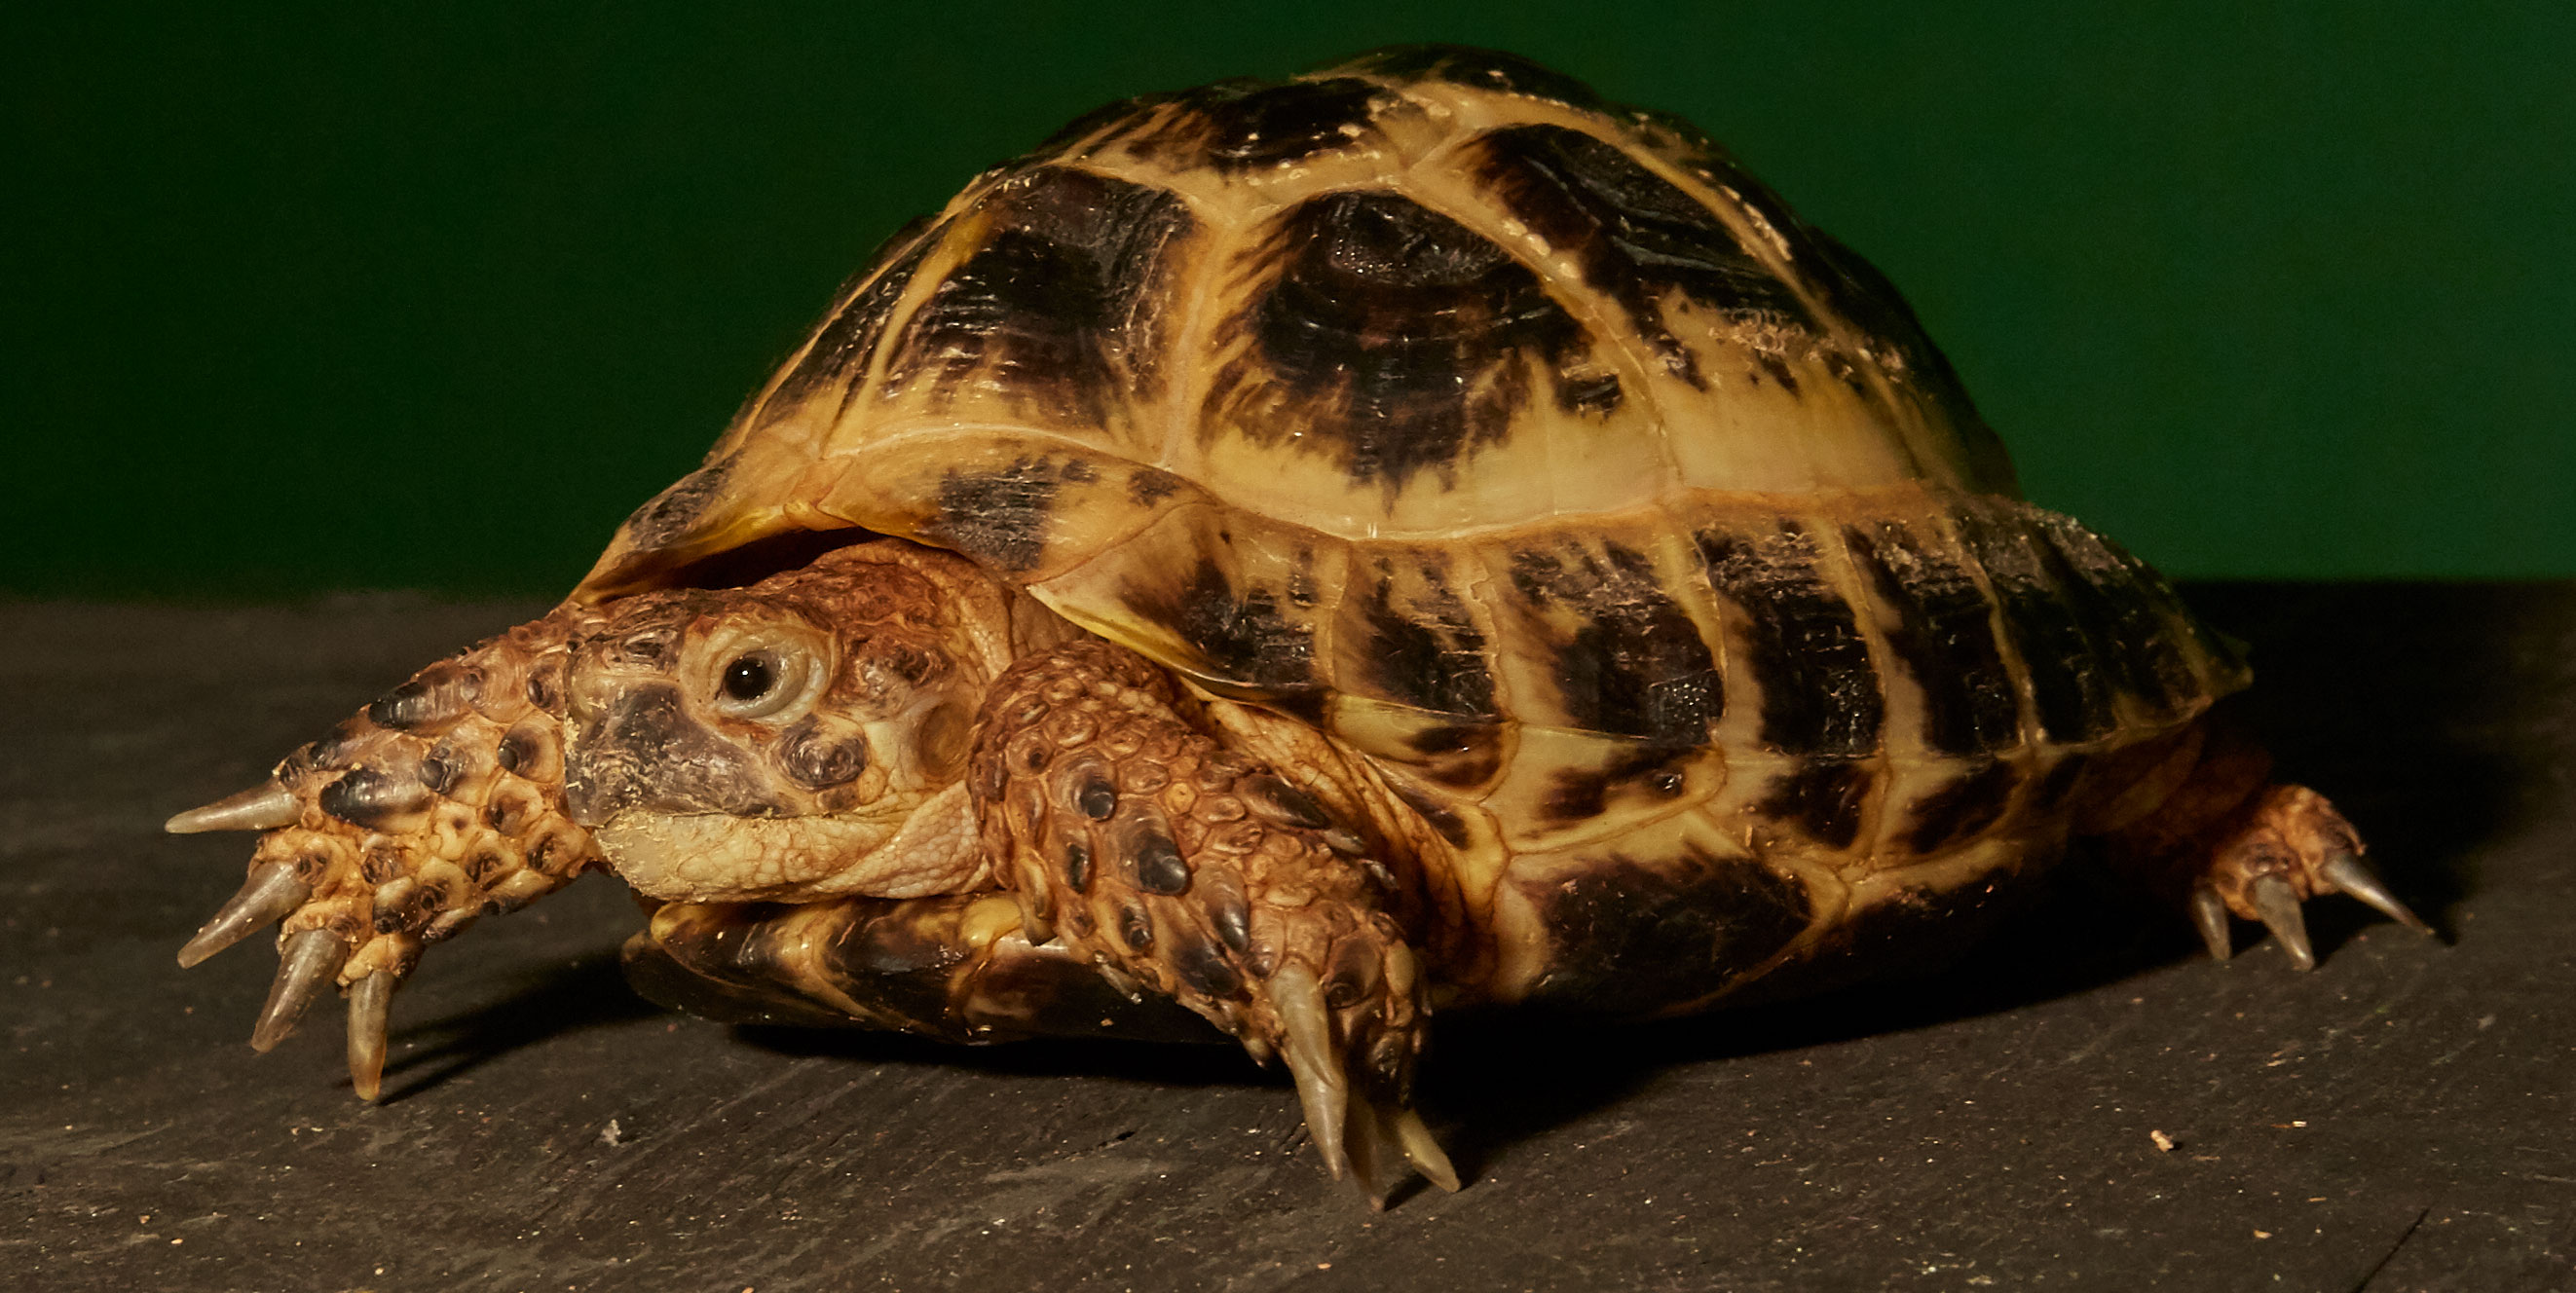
{"x":749,"y":678}
{"x":757,"y":684}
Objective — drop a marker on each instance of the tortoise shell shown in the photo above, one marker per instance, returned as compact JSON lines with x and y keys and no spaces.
{"x":1524,"y":445}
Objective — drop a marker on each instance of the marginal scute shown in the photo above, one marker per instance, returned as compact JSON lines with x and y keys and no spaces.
{"x":1970,"y":803}
{"x":1623,"y":655}
{"x":1823,"y":798}
{"x":1820,"y":688}
{"x":1637,"y":937}
{"x":1001,"y":515}
{"x":2072,"y":696}
{"x":1417,"y":642}
{"x":1941,"y":628}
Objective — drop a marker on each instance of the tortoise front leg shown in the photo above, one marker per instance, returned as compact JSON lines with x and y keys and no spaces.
{"x":1186,"y":871}
{"x":439,"y":803}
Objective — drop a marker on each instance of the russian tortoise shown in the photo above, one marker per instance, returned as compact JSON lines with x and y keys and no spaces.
{"x":1307,"y":555}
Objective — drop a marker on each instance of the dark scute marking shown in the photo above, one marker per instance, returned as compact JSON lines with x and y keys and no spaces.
{"x":1098,"y":798}
{"x":1820,"y":692}
{"x":1944,"y":634}
{"x":1631,"y":939}
{"x":1596,"y":396}
{"x":1395,"y":339}
{"x":847,"y":340}
{"x":1482,"y":69}
{"x":2121,"y":613}
{"x":668,"y":516}
{"x":2068,"y":687}
{"x":1135,"y":927}
{"x":1147,"y":486}
{"x":1205,"y":968}
{"x":1077,"y":867}
{"x":1464,"y":754}
{"x":371,"y":797}
{"x":1428,"y":655}
{"x":1912,"y":933}
{"x":817,"y":760}
{"x":998,"y":517}
{"x":895,"y":964}
{"x":1249,"y":125}
{"x":1823,"y":798}
{"x":1847,"y":284}
{"x":1243,"y":635}
{"x":1059,"y":306}
{"x":1578,"y":794}
{"x":1968,"y":804}
{"x":1438,"y":816}
{"x":1635,"y":234}
{"x":1638,"y":666}
{"x":1159,"y":866}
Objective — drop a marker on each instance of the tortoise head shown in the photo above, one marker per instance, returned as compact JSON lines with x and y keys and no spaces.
{"x":803,"y":736}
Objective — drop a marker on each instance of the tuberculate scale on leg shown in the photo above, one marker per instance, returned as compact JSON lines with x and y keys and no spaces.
{"x":404,"y":825}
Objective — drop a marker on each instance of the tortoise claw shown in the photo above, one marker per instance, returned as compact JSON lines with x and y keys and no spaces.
{"x":368,"y":1004}
{"x":1421,"y":1150}
{"x":2277,"y":904}
{"x":264,"y":807}
{"x":1357,"y":1136}
{"x":2345,"y":872}
{"x":269,"y":894}
{"x":310,"y":962}
{"x":2209,"y":916}
{"x":1322,"y":1088}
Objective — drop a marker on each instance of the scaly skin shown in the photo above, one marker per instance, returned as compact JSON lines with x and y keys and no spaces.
{"x":1188,"y":871}
{"x":916,"y":734}
{"x":607,"y":737}
{"x":439,"y":803}
{"x":2225,"y":840}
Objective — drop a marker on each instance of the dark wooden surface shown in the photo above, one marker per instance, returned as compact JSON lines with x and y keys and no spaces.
{"x":2400,"y":1119}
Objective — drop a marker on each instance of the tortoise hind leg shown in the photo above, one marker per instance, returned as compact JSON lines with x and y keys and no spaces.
{"x":1185,"y":870}
{"x":2229,"y":842}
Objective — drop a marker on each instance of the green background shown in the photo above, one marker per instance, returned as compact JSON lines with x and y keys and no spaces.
{"x":369,"y":295}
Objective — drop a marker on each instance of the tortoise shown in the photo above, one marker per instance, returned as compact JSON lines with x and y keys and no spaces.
{"x":1304,"y":556}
